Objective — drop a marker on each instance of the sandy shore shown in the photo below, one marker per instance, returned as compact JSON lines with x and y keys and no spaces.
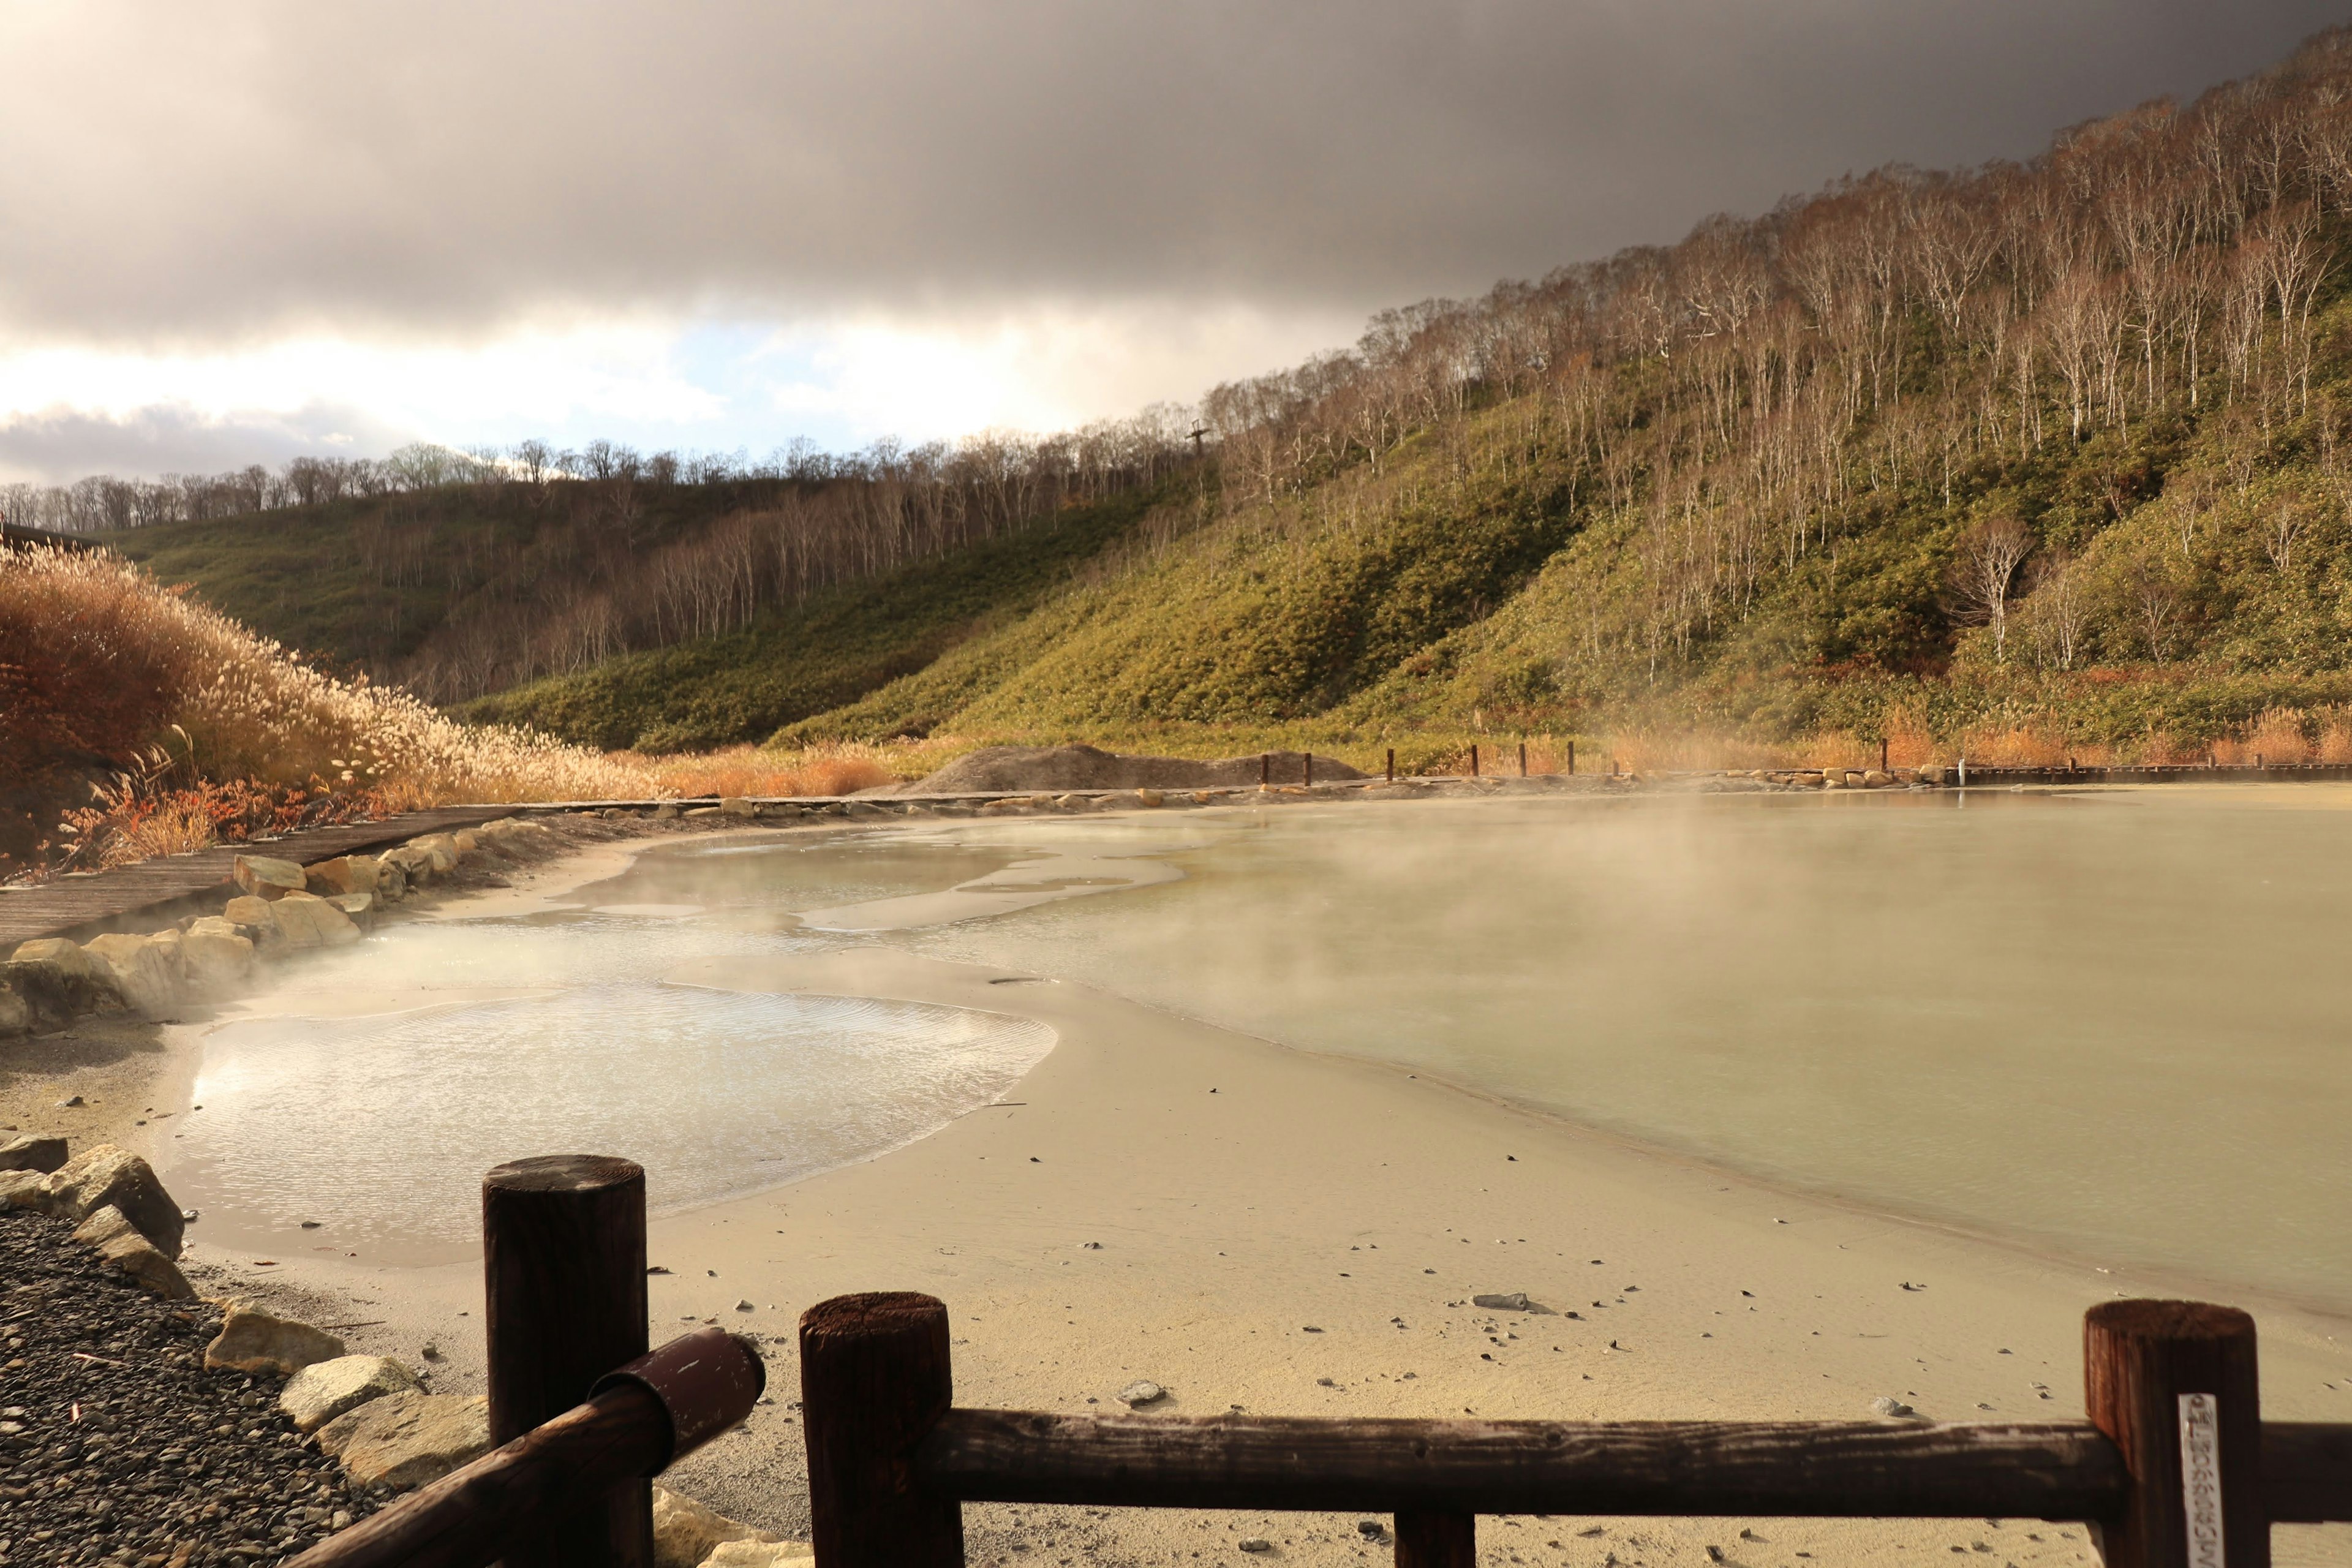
{"x":1255,"y":1226}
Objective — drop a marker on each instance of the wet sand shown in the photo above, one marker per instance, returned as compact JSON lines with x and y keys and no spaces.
{"x":1255,"y":1226}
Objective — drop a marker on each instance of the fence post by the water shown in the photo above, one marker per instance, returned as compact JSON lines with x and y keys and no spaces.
{"x":1523,"y":759}
{"x":1306,"y":769}
{"x":1571,"y":758}
{"x":1881,"y":753}
{"x":1264,"y":769}
{"x":1392,"y":765}
{"x":1473,"y":759}
{"x":1437,"y":1540}
{"x":2174,"y":1384}
{"x":563,"y":1264}
{"x":874,"y":1379}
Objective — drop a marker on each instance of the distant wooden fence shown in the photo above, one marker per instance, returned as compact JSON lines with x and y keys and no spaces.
{"x":2176,"y":1468}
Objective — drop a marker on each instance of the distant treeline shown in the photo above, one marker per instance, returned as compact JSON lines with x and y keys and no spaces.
{"x":461,"y":573}
{"x":1081,"y":461}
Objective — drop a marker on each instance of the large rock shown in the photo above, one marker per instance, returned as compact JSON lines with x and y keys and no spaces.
{"x":267,"y":877}
{"x":31,"y":1153}
{"x":108,"y":1176}
{"x":67,"y":956}
{"x":17,"y":1015}
{"x":391,"y":882}
{"x":255,"y":920}
{"x":60,"y":983}
{"x":762,"y":1553}
{"x":217,"y":955}
{"x":309,"y":920}
{"x":442,"y":850}
{"x":404,"y":1440}
{"x":20,"y":1190}
{"x":326,"y":1389}
{"x":146,"y":970}
{"x":120,"y":1246}
{"x":344,"y":874}
{"x":255,"y":1340}
{"x":685,"y":1531}
{"x":415,"y":862}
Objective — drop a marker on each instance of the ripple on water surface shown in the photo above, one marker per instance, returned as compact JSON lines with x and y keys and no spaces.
{"x":380,"y":1126}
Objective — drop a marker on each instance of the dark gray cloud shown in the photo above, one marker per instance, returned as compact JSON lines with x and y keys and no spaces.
{"x":61,"y":445}
{"x":185,"y":175}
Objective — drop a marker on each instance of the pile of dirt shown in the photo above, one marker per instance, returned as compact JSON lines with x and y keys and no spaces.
{"x":1007,"y":769}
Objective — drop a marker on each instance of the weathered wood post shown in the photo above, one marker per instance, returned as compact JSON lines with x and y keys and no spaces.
{"x":1523,"y":759}
{"x":1473,"y":759}
{"x":1264,"y":769}
{"x":1571,"y":758}
{"x":1392,"y":765}
{"x":874,"y":1379}
{"x":1437,"y":1540}
{"x":1881,"y":753}
{"x":1306,"y":769}
{"x":563,"y":1267}
{"x":2175,"y":1385}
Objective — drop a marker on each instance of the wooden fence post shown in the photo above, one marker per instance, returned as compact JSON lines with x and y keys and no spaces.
{"x":1392,"y":765}
{"x":1437,"y":1540}
{"x":1523,"y":759}
{"x":1571,"y":758}
{"x":563,"y":1267}
{"x":2174,"y":1384}
{"x":1264,"y":769}
{"x":1473,"y":759}
{"x":1307,"y":765}
{"x":874,"y":1379}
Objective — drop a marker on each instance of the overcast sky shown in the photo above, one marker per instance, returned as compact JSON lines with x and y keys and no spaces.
{"x":235,"y":231}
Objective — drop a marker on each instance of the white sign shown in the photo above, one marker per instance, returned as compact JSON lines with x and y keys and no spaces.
{"x":2200,"y":1477}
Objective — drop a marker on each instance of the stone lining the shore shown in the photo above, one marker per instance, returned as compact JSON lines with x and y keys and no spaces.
{"x":250,"y":1450}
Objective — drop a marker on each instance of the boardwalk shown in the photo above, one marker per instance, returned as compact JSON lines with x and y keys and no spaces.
{"x":80,"y":906}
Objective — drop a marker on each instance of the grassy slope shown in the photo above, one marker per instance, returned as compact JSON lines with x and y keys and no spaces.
{"x":1479,"y":586}
{"x":294,"y":575}
{"x":826,"y":652}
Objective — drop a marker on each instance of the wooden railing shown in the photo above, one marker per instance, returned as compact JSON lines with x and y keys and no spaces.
{"x":2175,"y":1468}
{"x":582,"y":1411}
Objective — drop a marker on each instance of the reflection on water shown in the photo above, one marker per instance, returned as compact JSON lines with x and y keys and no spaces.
{"x":372,"y":1107}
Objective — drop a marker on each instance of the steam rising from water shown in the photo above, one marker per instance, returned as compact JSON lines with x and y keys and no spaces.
{"x":2111,"y":1023}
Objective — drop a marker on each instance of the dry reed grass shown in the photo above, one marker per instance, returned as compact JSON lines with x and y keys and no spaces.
{"x":247,"y":709}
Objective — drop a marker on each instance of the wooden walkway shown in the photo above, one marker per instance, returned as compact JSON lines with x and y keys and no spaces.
{"x":78,"y":905}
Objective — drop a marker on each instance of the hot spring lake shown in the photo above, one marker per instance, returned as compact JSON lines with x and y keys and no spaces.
{"x":2114,"y":1025}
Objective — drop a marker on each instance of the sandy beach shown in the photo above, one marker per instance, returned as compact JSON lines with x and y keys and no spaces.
{"x":1257,"y":1228}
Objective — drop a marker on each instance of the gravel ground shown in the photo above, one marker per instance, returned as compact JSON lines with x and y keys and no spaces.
{"x":117,"y":1446}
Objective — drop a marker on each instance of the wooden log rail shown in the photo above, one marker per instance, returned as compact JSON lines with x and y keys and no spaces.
{"x":2176,"y":1468}
{"x":582,"y":1411}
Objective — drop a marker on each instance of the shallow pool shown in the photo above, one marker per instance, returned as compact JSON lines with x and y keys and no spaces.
{"x":2110,"y":1023}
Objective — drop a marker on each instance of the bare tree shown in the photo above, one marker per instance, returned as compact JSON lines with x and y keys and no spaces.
{"x":1984,"y":575}
{"x":2059,"y":610}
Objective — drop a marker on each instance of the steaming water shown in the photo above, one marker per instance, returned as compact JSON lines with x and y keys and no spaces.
{"x":2112,"y":1024}
{"x":373,"y":1111}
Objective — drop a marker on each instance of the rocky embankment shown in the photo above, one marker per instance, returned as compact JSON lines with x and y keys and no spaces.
{"x":278,"y":908}
{"x":146,"y":1424}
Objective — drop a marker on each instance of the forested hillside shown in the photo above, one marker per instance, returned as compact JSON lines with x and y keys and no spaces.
{"x":459,"y":575}
{"x":2054,"y":449}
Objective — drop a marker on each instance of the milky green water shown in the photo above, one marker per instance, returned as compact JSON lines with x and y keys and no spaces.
{"x":2115,"y":1024}
{"x":2112,"y":1024}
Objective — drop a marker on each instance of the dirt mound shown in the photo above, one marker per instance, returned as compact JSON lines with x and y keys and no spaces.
{"x":1010,"y":768}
